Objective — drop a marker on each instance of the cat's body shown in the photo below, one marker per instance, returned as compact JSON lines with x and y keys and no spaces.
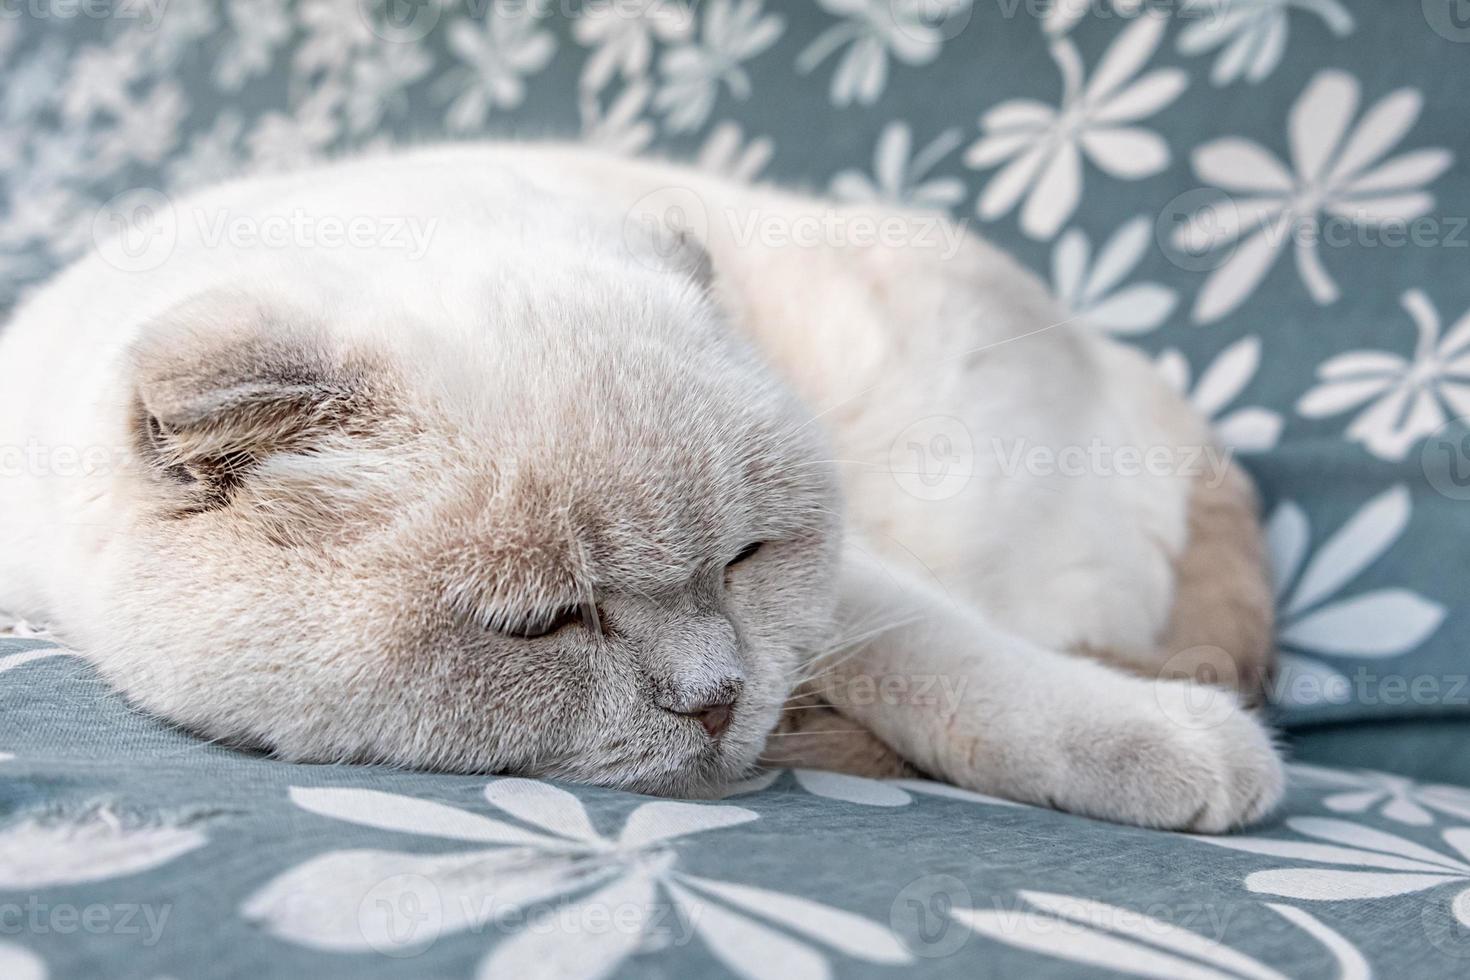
{"x":345,"y":460}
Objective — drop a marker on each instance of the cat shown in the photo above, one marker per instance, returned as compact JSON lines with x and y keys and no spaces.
{"x":522,"y":457}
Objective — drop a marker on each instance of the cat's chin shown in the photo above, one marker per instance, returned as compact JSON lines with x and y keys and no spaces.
{"x":707,"y":776}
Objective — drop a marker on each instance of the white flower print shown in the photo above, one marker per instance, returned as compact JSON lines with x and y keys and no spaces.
{"x":1383,"y":864}
{"x":346,"y":61}
{"x":1408,"y":397}
{"x":506,"y":46}
{"x":622,"y":37}
{"x":30,"y":86}
{"x":1337,"y":174}
{"x":1247,"y":430}
{"x":14,"y":661}
{"x":212,"y":155}
{"x":257,"y":28}
{"x":1251,"y":34}
{"x":46,"y":853}
{"x":829,"y":785}
{"x":1063,"y":15}
{"x":334,"y":30}
{"x":901,"y":176}
{"x":731,"y":32}
{"x":19,"y":963}
{"x":727,"y":152}
{"x":622,"y":127}
{"x":42,"y":211}
{"x":1314,"y":618}
{"x":871,"y":29}
{"x":1395,"y":797}
{"x":285,"y":142}
{"x":98,"y":80}
{"x":146,"y":128}
{"x":1091,"y":291}
{"x":864,"y":791}
{"x":1111,"y":938}
{"x":324,"y":902}
{"x":376,"y":81}
{"x":1043,"y":147}
{"x":162,"y":41}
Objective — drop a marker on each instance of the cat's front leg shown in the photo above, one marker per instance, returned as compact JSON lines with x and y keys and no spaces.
{"x":991,"y":712}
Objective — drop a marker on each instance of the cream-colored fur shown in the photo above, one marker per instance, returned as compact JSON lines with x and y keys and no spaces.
{"x":322,"y":488}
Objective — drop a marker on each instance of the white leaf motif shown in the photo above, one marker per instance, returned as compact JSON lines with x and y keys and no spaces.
{"x":549,"y":807}
{"x":35,"y":854}
{"x":586,"y":948}
{"x":734,"y":938}
{"x":359,"y":900}
{"x":1325,"y":885}
{"x":851,"y":789}
{"x":1356,"y":545}
{"x":1384,"y":623}
{"x":18,"y":963}
{"x":1351,"y":965}
{"x":14,"y":660}
{"x":1053,"y":937}
{"x":390,"y":811}
{"x":1102,"y":916}
{"x":666,"y":819}
{"x":851,"y":934}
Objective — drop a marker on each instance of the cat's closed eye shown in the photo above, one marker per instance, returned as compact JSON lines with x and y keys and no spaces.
{"x":538,"y":625}
{"x":747,"y":552}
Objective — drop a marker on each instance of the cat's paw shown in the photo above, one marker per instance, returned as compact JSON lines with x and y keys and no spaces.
{"x":1181,"y":756}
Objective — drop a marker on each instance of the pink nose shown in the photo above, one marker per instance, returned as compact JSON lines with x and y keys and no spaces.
{"x":715,"y":718}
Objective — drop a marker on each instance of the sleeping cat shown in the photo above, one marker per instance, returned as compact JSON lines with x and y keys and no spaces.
{"x":612,"y":469}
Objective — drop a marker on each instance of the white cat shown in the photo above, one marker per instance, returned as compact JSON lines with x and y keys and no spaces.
{"x":463,"y":459}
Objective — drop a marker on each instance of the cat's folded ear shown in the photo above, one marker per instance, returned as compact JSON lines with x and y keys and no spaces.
{"x":222,"y":384}
{"x":661,"y":234}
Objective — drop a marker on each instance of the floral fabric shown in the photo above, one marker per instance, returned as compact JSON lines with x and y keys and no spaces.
{"x":129,"y":849}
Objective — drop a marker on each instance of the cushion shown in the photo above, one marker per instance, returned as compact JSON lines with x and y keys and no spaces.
{"x":128,"y":848}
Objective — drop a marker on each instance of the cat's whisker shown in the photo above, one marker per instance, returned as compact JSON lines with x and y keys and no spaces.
{"x":787,"y":735}
{"x":849,"y":647}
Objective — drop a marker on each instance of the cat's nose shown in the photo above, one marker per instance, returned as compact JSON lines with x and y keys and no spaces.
{"x":713,"y":706}
{"x":714,"y":718}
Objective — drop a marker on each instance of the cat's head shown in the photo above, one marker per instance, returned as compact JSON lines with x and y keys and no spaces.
{"x":571,"y":528}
